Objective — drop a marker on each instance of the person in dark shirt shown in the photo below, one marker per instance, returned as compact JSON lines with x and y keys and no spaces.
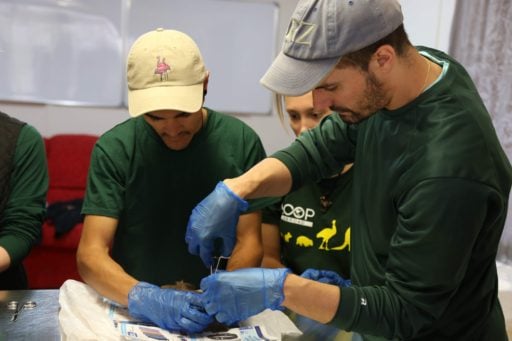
{"x":309,"y":228}
{"x":23,"y":188}
{"x":146,"y":175}
{"x":430,"y":192}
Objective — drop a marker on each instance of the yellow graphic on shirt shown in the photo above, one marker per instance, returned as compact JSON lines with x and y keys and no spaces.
{"x":304,"y":241}
{"x":287,"y":237}
{"x":325,"y":235}
{"x":346,"y":242}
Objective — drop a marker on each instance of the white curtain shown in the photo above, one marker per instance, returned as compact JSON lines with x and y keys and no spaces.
{"x":481,"y":40}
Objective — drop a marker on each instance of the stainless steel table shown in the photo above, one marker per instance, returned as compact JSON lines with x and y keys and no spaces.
{"x":40,"y":323}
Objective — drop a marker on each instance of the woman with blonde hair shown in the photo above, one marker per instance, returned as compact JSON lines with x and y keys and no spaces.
{"x":310,"y":227}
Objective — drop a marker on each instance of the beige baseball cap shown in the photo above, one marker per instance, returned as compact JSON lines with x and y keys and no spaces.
{"x":165,"y":71}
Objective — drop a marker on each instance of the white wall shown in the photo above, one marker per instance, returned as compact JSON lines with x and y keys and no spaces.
{"x":427,"y":22}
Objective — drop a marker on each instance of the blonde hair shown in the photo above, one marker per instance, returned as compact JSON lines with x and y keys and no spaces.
{"x":279,"y":103}
{"x":280,"y":108}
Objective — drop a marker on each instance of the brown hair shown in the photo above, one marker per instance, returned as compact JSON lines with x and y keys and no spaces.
{"x":397,"y":39}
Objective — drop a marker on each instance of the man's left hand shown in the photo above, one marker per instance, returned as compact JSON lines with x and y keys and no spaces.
{"x":236,"y":295}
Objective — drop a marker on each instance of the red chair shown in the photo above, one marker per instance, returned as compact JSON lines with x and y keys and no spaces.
{"x":53,"y":261}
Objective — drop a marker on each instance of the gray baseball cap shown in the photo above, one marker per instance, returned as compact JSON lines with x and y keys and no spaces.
{"x":320,"y":33}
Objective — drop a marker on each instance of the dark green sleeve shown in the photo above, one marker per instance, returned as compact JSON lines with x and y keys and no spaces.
{"x":254,"y":153}
{"x":320,"y":152}
{"x":23,"y":215}
{"x":106,"y":182}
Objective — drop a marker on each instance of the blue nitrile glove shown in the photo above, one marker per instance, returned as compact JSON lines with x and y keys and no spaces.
{"x":214,"y":218}
{"x":236,"y":295}
{"x":168,"y":308}
{"x":326,"y":276}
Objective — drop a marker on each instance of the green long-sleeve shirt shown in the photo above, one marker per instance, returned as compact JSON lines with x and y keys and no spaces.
{"x":21,"y":220}
{"x":431,"y":188}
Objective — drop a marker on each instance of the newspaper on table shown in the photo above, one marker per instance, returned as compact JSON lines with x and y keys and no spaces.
{"x":85,"y":315}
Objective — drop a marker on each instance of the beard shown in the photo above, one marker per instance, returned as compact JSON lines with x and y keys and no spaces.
{"x":372,"y":100}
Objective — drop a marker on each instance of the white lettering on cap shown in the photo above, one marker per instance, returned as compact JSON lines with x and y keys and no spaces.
{"x":305,"y":37}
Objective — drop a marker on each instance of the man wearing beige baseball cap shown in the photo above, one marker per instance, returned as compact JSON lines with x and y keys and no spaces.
{"x":430,"y":192}
{"x":146,"y":175}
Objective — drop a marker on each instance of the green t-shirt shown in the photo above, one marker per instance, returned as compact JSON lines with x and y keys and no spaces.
{"x":431,"y":188}
{"x":314,"y":235}
{"x":152,"y":190}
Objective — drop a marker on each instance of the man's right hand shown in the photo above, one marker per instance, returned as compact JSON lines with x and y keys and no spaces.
{"x":168,"y":308}
{"x":214,"y":218}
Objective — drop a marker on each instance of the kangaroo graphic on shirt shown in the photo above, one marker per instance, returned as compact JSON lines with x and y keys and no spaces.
{"x":287,"y":237}
{"x":346,"y":242}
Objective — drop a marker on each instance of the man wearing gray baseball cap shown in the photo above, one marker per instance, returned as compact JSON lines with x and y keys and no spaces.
{"x":431,"y":184}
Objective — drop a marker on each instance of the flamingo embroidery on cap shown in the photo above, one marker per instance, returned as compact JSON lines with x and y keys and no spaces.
{"x":162,"y":68}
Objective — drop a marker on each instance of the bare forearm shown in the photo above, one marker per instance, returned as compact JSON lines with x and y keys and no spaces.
{"x":248,"y":250}
{"x":5,"y":260}
{"x":271,"y":246}
{"x":105,"y":276}
{"x":244,"y":257}
{"x":94,"y":263}
{"x":315,"y":300}
{"x":271,"y":262}
{"x":269,"y":178}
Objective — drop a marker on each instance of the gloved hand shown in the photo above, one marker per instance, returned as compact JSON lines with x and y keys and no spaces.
{"x":326,"y":276}
{"x":168,"y":308}
{"x":214,"y":218}
{"x":236,"y":295}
